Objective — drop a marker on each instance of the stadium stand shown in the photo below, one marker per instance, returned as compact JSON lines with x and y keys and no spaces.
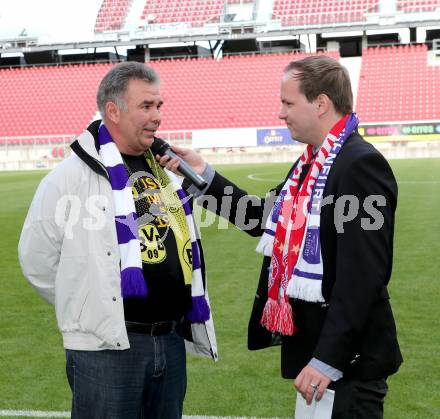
{"x":42,"y":106}
{"x":61,"y":100}
{"x":243,"y":92}
{"x":111,"y":15}
{"x":398,"y":84}
{"x":195,"y":12}
{"x":38,"y":101}
{"x":314,"y":12}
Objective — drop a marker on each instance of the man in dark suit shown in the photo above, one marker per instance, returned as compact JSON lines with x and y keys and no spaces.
{"x":340,"y":333}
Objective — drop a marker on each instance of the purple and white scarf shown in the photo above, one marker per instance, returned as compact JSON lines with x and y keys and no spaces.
{"x":133,"y":283}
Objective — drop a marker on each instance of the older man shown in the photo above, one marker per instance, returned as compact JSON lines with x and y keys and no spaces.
{"x":121,"y":260}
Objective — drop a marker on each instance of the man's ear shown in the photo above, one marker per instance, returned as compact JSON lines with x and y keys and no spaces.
{"x":112,"y":112}
{"x":324,"y":104}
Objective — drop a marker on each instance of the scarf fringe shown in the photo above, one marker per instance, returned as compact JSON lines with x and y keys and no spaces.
{"x":285,"y":319}
{"x":278,"y":317}
{"x":265,"y":245}
{"x":305,"y":289}
{"x":270,"y":315}
{"x":200,"y":311}
{"x":133,"y":284}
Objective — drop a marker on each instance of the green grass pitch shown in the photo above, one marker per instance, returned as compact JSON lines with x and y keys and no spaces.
{"x":242,"y":383}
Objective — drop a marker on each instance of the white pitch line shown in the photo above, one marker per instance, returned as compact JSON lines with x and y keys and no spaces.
{"x":34,"y":414}
{"x":42,"y":414}
{"x":255,"y":176}
{"x":419,"y":182}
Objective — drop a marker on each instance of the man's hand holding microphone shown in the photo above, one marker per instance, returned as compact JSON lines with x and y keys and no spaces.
{"x":180,"y":160}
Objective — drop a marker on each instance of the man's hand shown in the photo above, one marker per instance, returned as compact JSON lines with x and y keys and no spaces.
{"x":310,"y":382}
{"x":190,"y":156}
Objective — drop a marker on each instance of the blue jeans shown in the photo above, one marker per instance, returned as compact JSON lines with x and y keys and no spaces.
{"x":146,"y":381}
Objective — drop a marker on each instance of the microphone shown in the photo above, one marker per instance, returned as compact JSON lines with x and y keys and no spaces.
{"x":162,"y":148}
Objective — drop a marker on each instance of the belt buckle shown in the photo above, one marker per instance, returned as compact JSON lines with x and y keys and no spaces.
{"x":153,"y":328}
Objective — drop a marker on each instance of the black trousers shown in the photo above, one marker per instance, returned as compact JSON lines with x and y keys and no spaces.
{"x":355,"y":399}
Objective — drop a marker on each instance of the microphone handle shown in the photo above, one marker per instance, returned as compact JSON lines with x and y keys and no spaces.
{"x":187,"y":170}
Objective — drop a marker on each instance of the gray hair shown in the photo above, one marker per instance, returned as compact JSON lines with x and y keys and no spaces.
{"x":114,"y":84}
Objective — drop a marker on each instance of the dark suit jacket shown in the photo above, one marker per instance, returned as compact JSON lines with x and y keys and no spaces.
{"x":354,"y":330}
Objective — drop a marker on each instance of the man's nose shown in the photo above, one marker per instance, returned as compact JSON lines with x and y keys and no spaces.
{"x":157,"y":117}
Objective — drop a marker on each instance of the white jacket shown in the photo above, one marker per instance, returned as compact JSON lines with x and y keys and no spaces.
{"x":69,"y":252}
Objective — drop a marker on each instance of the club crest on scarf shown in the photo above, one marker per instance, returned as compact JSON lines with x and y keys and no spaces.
{"x":312,"y":246}
{"x":292,"y":233}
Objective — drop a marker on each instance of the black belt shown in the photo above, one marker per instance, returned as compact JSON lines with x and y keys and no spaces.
{"x":152,"y":329}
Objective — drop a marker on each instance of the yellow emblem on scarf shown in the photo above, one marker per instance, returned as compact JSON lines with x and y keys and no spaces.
{"x":152,"y":248}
